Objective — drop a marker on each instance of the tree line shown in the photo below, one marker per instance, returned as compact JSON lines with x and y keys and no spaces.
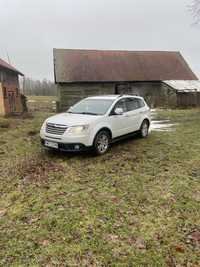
{"x":37,"y":87}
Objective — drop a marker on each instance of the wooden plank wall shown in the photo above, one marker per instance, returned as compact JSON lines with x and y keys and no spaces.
{"x":2,"y":106}
{"x":69,"y":94}
{"x":188,"y":99}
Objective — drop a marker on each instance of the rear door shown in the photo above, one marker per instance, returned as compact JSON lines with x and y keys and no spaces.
{"x":134,"y":113}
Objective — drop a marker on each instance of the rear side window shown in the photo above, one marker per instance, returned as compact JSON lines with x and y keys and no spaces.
{"x":134,"y":103}
{"x":141,"y":103}
{"x":131,"y":104}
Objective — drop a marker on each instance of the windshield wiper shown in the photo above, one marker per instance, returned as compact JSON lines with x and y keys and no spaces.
{"x":85,"y":113}
{"x":71,"y":112}
{"x":88,"y":113}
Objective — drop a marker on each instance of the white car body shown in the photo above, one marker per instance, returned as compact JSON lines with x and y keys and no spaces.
{"x":61,"y":131}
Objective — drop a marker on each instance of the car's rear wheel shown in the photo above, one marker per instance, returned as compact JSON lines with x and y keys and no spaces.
{"x":144,"y":129}
{"x":101,"y":142}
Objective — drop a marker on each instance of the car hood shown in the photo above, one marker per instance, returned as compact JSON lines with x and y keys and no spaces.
{"x":69,"y":119}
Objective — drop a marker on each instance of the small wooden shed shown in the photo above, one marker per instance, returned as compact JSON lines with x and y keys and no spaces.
{"x":187,"y":92}
{"x":10,"y":97}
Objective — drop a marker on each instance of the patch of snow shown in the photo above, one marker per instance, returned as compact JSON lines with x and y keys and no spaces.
{"x":160,"y":125}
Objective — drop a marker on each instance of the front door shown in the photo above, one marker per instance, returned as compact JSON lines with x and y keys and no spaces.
{"x":119,"y":123}
{"x":11,"y":101}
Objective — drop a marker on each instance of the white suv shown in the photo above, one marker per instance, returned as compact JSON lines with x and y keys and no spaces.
{"x":96,"y":122}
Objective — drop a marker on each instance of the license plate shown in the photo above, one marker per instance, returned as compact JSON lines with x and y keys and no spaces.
{"x":51,"y":144}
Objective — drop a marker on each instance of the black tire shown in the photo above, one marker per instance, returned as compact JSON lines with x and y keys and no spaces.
{"x":101,"y":142}
{"x":144,"y":129}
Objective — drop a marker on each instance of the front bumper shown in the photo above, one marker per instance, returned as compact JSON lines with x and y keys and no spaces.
{"x":66,"y":138}
{"x":68,"y":147}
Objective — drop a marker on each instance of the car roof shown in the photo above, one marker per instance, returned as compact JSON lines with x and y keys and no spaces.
{"x":112,"y":97}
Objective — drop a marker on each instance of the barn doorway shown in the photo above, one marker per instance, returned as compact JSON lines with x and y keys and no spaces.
{"x":122,"y":88}
{"x":11,"y":101}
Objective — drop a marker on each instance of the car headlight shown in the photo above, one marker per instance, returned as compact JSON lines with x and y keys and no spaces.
{"x":79,"y":129}
{"x":44,"y":125}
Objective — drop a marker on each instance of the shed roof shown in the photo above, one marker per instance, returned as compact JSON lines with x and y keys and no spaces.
{"x":106,"y":66}
{"x":184,"y":86}
{"x":5,"y":65}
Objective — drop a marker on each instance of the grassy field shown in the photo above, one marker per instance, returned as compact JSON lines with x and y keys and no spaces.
{"x":138,"y":205}
{"x":42,"y":98}
{"x":40,"y":103}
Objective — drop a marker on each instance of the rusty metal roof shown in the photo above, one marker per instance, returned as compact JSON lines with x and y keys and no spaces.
{"x":5,"y":65}
{"x":106,"y":66}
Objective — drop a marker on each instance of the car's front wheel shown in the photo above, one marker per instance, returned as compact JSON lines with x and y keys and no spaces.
{"x":101,"y":142}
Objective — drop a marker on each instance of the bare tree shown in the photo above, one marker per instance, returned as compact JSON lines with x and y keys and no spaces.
{"x":36,"y":87}
{"x":195,"y":10}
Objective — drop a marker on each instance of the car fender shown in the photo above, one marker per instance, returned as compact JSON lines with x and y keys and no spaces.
{"x":97,"y":128}
{"x":145,"y":117}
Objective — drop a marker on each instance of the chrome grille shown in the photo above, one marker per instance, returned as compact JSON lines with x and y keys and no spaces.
{"x":57,"y":129}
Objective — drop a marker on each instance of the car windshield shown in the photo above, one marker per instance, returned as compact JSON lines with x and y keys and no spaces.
{"x":91,"y":107}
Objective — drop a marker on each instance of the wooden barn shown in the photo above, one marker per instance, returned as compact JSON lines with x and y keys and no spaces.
{"x":10,"y":97}
{"x":81,"y":73}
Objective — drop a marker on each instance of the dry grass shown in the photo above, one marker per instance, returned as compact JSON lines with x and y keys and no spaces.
{"x":138,"y":205}
{"x":41,"y":103}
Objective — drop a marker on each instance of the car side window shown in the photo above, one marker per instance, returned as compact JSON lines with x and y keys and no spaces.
{"x":141,"y":103}
{"x":120,"y":104}
{"x":134,"y":103}
{"x":131,"y":104}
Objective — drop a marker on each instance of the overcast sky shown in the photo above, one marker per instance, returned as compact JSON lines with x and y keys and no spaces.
{"x":30,"y":29}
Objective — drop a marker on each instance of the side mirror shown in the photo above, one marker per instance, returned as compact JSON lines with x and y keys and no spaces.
{"x":119,"y":111}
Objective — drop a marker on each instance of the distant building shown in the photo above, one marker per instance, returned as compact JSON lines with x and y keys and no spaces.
{"x":81,"y":73}
{"x":10,"y":97}
{"x":186,"y":93}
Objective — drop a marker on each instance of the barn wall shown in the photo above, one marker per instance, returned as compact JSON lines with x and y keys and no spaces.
{"x":69,"y":94}
{"x":198,"y":99}
{"x":188,"y":99}
{"x":157,"y":94}
{"x":10,"y":83}
{"x":2,"y":108}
